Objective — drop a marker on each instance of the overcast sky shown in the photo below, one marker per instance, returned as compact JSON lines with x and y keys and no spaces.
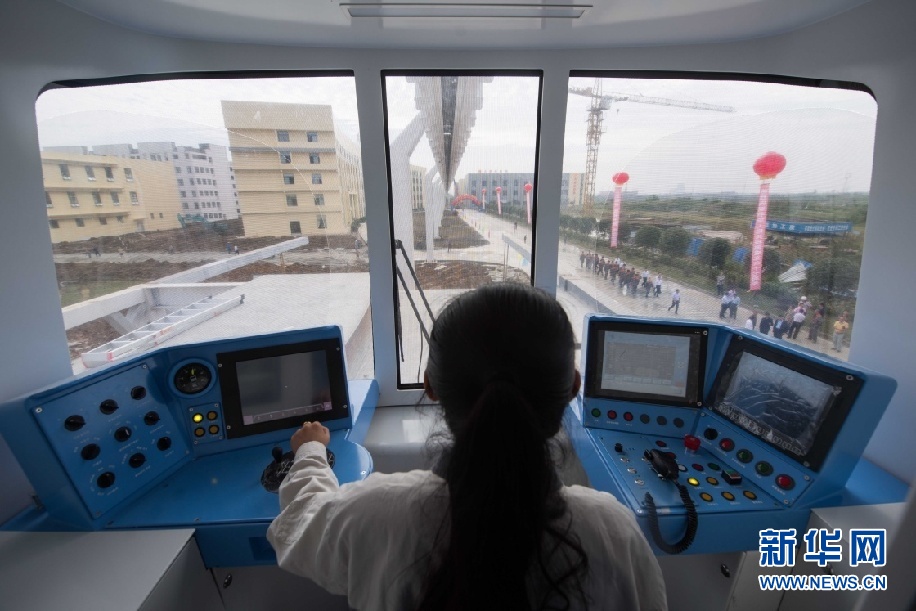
{"x":826,"y":135}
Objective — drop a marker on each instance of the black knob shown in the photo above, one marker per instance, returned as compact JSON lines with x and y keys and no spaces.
{"x":108,"y":406}
{"x":74,"y":423}
{"x":164,"y":443}
{"x":277,"y":453}
{"x":710,"y":434}
{"x":123,"y":433}
{"x":151,"y":418}
{"x":136,"y":460}
{"x":90,"y":452}
{"x":137,"y":393}
{"x":105,"y":480}
{"x":618,"y":447}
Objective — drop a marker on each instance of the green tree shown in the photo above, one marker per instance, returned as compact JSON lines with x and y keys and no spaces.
{"x":674,"y":241}
{"x":648,"y":237}
{"x":772,"y":263}
{"x":715,"y":252}
{"x":834,"y":275}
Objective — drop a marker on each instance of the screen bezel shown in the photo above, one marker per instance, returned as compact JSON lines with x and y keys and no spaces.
{"x":849,"y":384}
{"x":693,"y":397}
{"x":229,"y":383}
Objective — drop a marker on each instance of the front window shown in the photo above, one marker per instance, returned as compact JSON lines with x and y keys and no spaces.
{"x":115,"y":199}
{"x":48,"y":202}
{"x":295,"y":228}
{"x":134,"y":199}
{"x":289,"y":178}
{"x":319,"y":199}
{"x":97,"y":198}
{"x":282,"y":136}
{"x":74,"y":202}
{"x":747,"y":198}
{"x":322,"y":221}
{"x":314,"y":158}
{"x":441,"y":128}
{"x":109,"y":174}
{"x":312,"y":136}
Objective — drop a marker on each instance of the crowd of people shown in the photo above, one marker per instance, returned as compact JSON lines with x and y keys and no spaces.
{"x":632,"y":282}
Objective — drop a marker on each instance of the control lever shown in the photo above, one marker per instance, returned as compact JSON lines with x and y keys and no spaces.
{"x":663,"y":464}
{"x":666,"y":467}
{"x":274,"y":473}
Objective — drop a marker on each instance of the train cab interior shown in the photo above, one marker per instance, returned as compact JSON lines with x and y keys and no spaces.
{"x":214,"y":209}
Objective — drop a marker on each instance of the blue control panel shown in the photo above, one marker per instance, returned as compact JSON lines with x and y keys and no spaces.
{"x":756,"y":432}
{"x":182,"y":437}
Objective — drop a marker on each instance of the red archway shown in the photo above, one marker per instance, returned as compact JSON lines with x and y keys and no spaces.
{"x":465,"y":197}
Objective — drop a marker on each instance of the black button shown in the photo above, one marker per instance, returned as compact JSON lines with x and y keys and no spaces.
{"x":732,"y":477}
{"x":678,"y":423}
{"x":123,"y":433}
{"x":662,"y":421}
{"x":151,"y":418}
{"x":74,"y":422}
{"x":90,"y":452}
{"x":136,"y":460}
{"x":710,"y":434}
{"x":618,"y":447}
{"x":105,"y":480}
{"x":645,"y":419}
{"x":108,"y":406}
{"x":164,"y":443}
{"x":137,"y":393}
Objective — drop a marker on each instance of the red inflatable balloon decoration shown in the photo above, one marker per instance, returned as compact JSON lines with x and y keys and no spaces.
{"x":768,"y":166}
{"x":528,"y":187}
{"x":620,"y":178}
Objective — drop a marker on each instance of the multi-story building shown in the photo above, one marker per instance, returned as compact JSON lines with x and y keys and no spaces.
{"x":294,"y":175}
{"x":513,"y":183}
{"x":202,"y":174}
{"x":100,"y":195}
{"x":417,"y":177}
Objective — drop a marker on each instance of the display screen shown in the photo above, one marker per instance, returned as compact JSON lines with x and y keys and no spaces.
{"x":652,"y":363}
{"x":281,"y":387}
{"x":781,"y":406}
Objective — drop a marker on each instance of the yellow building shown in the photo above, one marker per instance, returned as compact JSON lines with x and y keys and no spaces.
{"x":90,"y":196}
{"x":293,"y":174}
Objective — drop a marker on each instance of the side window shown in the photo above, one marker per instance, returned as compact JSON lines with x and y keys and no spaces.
{"x":166,"y":187}
{"x":316,"y":179}
{"x":445,"y":237}
{"x":737,"y":202}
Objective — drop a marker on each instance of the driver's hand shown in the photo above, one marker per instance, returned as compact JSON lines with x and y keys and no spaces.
{"x":310,"y":431}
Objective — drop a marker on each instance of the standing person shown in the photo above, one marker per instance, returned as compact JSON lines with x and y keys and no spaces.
{"x":753,"y":319}
{"x":766,"y":323}
{"x":725,"y":302}
{"x":733,"y":306}
{"x":581,"y":259}
{"x":814,"y":328}
{"x":675,"y":301}
{"x":720,"y":285}
{"x":658,"y":285}
{"x":235,"y":249}
{"x":228,"y":248}
{"x":491,"y":526}
{"x":840,"y":327}
{"x":798,"y":319}
{"x":649,"y":286}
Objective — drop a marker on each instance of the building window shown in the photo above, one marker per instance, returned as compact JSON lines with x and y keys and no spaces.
{"x":109,"y":174}
{"x":289,"y":178}
{"x":190,"y":169}
{"x":74,"y":203}
{"x":178,"y":169}
{"x":119,"y":218}
{"x":314,"y":158}
{"x":134,"y":199}
{"x":184,"y":205}
{"x":103,"y":220}
{"x":80,"y":223}
{"x":282,"y":135}
{"x":151,"y":215}
{"x":160,"y":215}
{"x":180,"y":182}
{"x":312,"y":136}
{"x":174,"y":156}
{"x":129,"y":174}
{"x":196,"y":206}
{"x":115,"y":199}
{"x":322,"y":222}
{"x":184,"y":193}
{"x":64,"y":171}
{"x":295,"y":228}
{"x":97,"y":198}
{"x":286,"y":157}
{"x":54,"y":224}
{"x":291,"y":200}
{"x":316,"y":179}
{"x":48,"y":203}
{"x":319,"y":199}
{"x":193,"y":193}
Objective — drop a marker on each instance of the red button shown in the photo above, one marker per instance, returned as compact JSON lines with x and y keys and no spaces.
{"x":628,"y":416}
{"x":691,"y":442}
{"x":661,"y":444}
{"x":727,"y":445}
{"x":611,"y":414}
{"x":785,"y":482}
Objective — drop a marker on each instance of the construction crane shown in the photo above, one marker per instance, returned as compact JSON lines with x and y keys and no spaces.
{"x":602,"y":102}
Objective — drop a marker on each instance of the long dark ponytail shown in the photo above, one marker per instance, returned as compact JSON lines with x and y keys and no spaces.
{"x":501,"y":363}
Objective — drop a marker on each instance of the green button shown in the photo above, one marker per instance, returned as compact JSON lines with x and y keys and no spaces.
{"x":596,"y":412}
{"x":713,"y":466}
{"x":763,"y":468}
{"x":745,"y":456}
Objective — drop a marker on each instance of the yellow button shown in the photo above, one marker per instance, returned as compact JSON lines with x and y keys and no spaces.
{"x":712,"y":481}
{"x":211,"y":415}
{"x":750,"y":495}
{"x":199,"y":431}
{"x":728,"y":496}
{"x":214,"y":429}
{"x":693,"y":481}
{"x":706,"y":497}
{"x":197,"y":418}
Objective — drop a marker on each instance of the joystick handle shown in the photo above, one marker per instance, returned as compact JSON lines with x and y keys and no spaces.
{"x":277,"y":453}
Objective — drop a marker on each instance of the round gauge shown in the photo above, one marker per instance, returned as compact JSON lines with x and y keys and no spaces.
{"x":192,"y":378}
